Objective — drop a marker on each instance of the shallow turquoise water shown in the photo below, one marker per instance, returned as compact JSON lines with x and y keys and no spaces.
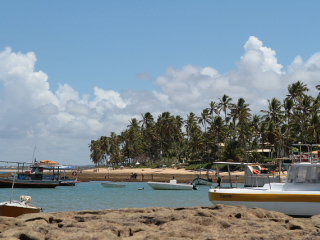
{"x":92,"y":196}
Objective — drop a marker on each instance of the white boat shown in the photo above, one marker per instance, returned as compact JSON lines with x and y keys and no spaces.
{"x":257,"y":176}
{"x":173,"y":185}
{"x":254,"y":175}
{"x":113,"y":185}
{"x":15,"y":208}
{"x":298,"y":196}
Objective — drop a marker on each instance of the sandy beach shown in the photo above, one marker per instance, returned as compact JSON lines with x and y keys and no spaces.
{"x":156,"y":171}
{"x":149,"y":174}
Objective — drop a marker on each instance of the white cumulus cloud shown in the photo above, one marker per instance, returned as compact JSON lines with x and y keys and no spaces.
{"x":62,"y":123}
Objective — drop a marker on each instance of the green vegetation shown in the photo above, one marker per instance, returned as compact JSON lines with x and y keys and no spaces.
{"x":225,"y":131}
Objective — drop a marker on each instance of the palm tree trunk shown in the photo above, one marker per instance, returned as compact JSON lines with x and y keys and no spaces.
{"x":244,"y":144}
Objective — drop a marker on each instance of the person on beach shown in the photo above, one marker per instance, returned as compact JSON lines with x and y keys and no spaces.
{"x":142,"y":176}
{"x":172,"y":176}
{"x":219,"y":182}
{"x":151,"y":176}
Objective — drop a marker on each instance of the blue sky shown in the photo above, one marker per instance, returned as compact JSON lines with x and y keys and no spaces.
{"x":101,"y":60}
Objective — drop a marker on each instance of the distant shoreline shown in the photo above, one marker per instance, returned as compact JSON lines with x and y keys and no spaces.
{"x":143,"y":174}
{"x":150,"y":174}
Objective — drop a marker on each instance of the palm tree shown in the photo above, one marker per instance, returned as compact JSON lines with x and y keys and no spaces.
{"x":296,"y":91}
{"x":104,"y":146}
{"x":304,"y":107}
{"x":168,"y":130}
{"x":147,"y":120}
{"x":147,"y":131}
{"x":255,"y":124}
{"x":318,"y":88}
{"x":288,"y":106}
{"x":274,"y":113}
{"x":196,"y":143}
{"x":262,"y":131}
{"x":95,"y":152}
{"x":192,"y":128}
{"x":133,"y":137}
{"x":179,"y":135}
{"x":204,"y":119}
{"x":218,"y":129}
{"x":114,"y":146}
{"x":225,"y":102}
{"x":214,"y":108}
{"x":315,"y":126}
{"x":190,"y":123}
{"x":272,"y":134}
{"x":241,"y":113}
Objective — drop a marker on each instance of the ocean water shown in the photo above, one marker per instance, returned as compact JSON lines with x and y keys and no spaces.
{"x":93,"y":196}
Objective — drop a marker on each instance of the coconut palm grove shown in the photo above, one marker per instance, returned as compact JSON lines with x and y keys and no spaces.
{"x":225,"y":131}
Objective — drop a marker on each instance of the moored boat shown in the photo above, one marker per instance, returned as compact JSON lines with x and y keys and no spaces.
{"x":254,"y":174}
{"x":298,"y":196}
{"x":31,"y":178}
{"x":202,"y":181}
{"x":173,"y":185}
{"x":28,"y":183}
{"x":69,"y":182}
{"x":15,"y":208}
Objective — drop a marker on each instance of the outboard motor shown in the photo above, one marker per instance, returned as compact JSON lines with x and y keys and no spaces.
{"x":194,"y":187}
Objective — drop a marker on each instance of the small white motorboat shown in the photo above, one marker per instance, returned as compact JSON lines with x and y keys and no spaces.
{"x":173,"y":185}
{"x":298,"y":196}
{"x":113,"y":185}
{"x":15,"y":208}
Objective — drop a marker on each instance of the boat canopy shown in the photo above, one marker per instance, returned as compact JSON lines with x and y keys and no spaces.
{"x":62,"y":167}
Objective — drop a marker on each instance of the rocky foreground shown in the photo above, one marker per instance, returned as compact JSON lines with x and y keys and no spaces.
{"x":219,"y":222}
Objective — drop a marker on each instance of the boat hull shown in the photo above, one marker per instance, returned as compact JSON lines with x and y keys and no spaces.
{"x":202,"y":181}
{"x":294,"y":203}
{"x":170,"y":186}
{"x":68,"y":182}
{"x":7,"y":183}
{"x":15,"y":211}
